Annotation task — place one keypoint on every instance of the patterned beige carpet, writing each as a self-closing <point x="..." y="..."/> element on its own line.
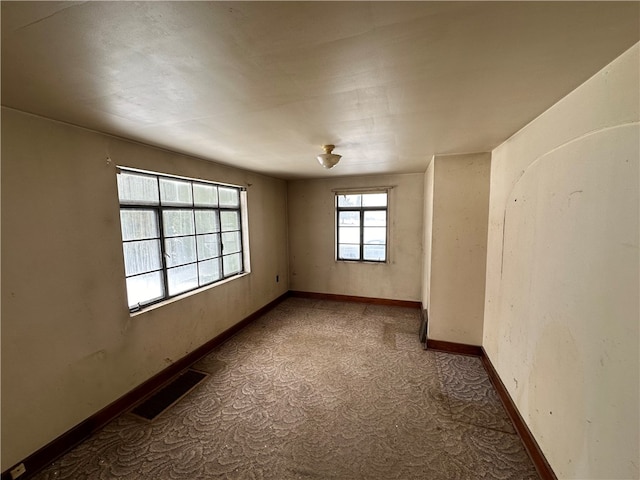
<point x="318" y="390"/>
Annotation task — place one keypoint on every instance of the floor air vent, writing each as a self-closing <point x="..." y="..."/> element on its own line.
<point x="169" y="395"/>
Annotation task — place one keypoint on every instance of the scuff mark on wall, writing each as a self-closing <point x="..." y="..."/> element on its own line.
<point x="570" y="195"/>
<point x="35" y="22"/>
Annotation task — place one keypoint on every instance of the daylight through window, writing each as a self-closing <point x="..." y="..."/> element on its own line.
<point x="361" y="227"/>
<point x="177" y="234"/>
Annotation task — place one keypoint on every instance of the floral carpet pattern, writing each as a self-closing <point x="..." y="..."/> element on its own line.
<point x="317" y="389"/>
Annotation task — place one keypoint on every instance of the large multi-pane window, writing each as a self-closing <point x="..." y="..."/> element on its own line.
<point x="178" y="234"/>
<point x="361" y="226"/>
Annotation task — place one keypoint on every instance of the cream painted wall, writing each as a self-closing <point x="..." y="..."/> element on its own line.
<point x="561" y="312"/>
<point x="312" y="237"/>
<point x="458" y="251"/>
<point x="427" y="235"/>
<point x="69" y="345"/>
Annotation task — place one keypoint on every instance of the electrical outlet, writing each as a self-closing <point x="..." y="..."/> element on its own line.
<point x="18" y="471"/>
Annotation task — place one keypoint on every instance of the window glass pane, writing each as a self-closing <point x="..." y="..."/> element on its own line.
<point x="208" y="246"/>
<point x="231" y="242"/>
<point x="144" y="288"/>
<point x="171" y="234"/>
<point x="374" y="199"/>
<point x="375" y="218"/>
<point x="175" y="192"/>
<point x="374" y="253"/>
<point x="180" y="250"/>
<point x="375" y="235"/>
<point x="209" y="271"/>
<point x="138" y="224"/>
<point x="228" y="197"/>
<point x="182" y="279"/>
<point x="229" y="221"/>
<point x="206" y="221"/>
<point x="135" y="188"/>
<point x="141" y="257"/>
<point x="349" y="218"/>
<point x="177" y="222"/>
<point x="349" y="200"/>
<point x="232" y="264"/>
<point x="205" y="195"/>
<point x="349" y="252"/>
<point x="349" y="235"/>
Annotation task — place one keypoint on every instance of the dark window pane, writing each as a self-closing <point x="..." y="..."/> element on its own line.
<point x="137" y="188"/>
<point x="175" y="192"/>
<point x="180" y="250"/>
<point x="138" y="224"/>
<point x="141" y="256"/>
<point x="177" y="222"/>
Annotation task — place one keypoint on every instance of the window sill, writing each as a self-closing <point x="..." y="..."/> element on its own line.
<point x="154" y="306"/>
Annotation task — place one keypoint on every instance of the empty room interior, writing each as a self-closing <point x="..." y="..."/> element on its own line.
<point x="345" y="215"/>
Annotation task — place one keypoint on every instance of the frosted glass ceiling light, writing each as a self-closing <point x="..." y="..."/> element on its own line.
<point x="328" y="159"/>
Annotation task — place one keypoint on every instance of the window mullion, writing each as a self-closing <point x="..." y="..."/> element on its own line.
<point x="163" y="253"/>
<point x="361" y="235"/>
<point x="220" y="258"/>
<point x="195" y="233"/>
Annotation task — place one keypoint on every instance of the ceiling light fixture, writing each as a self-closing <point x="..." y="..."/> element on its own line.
<point x="328" y="159"/>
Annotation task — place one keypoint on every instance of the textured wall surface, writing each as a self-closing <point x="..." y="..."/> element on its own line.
<point x="561" y="312"/>
<point x="312" y="239"/>
<point x="459" y="247"/>
<point x="69" y="345"/>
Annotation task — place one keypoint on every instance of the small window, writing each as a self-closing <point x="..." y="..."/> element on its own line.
<point x="361" y="226"/>
<point x="178" y="234"/>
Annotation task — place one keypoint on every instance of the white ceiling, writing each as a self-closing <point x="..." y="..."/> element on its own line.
<point x="261" y="85"/>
